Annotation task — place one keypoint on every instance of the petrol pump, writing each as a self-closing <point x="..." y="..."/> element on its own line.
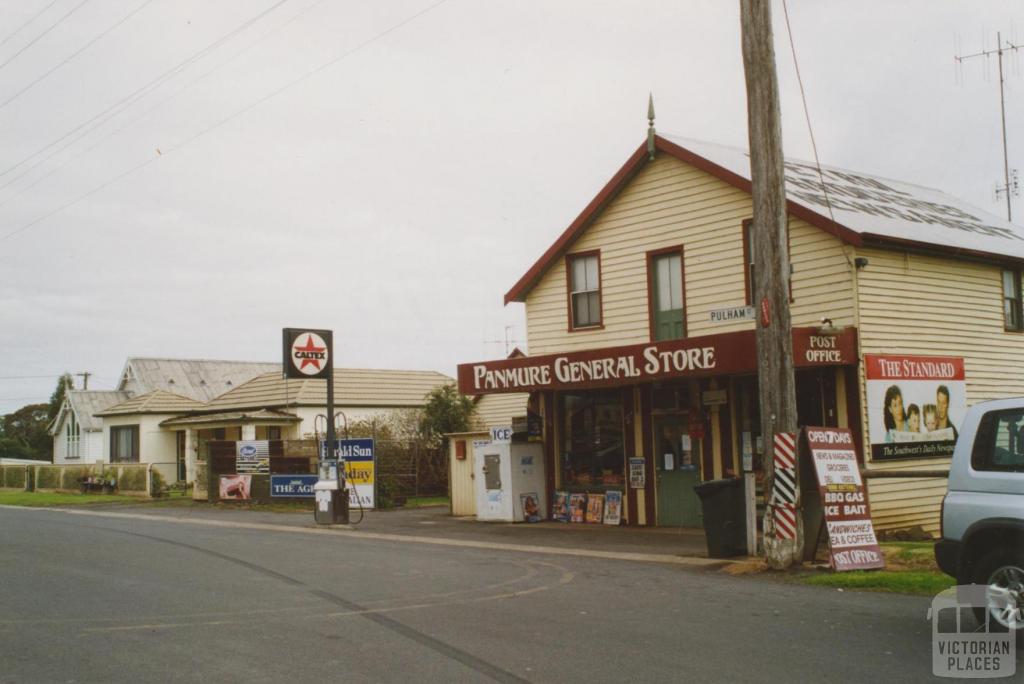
<point x="309" y="355"/>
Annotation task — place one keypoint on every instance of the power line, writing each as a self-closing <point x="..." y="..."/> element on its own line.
<point x="157" y="105"/>
<point x="70" y="57"/>
<point x="221" y="122"/>
<point x="45" y="31"/>
<point x="34" y="17"/>
<point x="138" y="93"/>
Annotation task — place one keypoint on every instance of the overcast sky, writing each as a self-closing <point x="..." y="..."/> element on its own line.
<point x="390" y="169"/>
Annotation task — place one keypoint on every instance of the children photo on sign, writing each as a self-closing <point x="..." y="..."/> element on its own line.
<point x="531" y="507"/>
<point x="595" y="508"/>
<point x="577" y="507"/>
<point x="560" y="507"/>
<point x="612" y="507"/>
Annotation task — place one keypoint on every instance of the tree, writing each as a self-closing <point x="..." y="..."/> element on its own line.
<point x="24" y="433"/>
<point x="445" y="411"/>
<point x="65" y="383"/>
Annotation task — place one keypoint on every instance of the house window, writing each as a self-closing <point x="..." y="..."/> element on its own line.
<point x="73" y="437"/>
<point x="665" y="284"/>
<point x="748" y="260"/>
<point x="273" y="432"/>
<point x="1012" y="311"/>
<point x="124" y="444"/>
<point x="584" y="290"/>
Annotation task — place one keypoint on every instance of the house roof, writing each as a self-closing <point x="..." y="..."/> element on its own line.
<point x="352" y="387"/>
<point x="858" y="208"/>
<point x="198" y="379"/>
<point x="86" y="403"/>
<point x="157" y="401"/>
<point x="496" y="410"/>
<point x="257" y="416"/>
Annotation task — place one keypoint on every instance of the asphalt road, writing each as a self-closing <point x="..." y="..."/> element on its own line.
<point x="95" y="599"/>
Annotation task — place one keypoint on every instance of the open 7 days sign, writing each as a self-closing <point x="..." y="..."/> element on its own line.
<point x="307" y="353"/>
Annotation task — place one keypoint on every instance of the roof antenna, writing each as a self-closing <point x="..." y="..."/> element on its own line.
<point x="650" y="125"/>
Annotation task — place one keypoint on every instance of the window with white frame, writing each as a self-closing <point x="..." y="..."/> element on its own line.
<point x="584" y="291"/>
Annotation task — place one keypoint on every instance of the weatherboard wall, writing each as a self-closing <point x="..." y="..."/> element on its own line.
<point x="671" y="203"/>
<point x="916" y="304"/>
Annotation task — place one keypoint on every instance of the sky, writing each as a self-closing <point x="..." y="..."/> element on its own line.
<point x="184" y="178"/>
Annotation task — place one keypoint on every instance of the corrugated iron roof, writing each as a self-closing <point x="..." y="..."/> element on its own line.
<point x="352" y="387"/>
<point x="860" y="208"/>
<point x="157" y="401"/>
<point x="86" y="403"/>
<point x="198" y="379"/>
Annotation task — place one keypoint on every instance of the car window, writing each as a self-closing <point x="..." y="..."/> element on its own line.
<point x="999" y="445"/>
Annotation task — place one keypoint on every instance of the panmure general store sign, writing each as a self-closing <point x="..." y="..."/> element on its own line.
<point x="725" y="354"/>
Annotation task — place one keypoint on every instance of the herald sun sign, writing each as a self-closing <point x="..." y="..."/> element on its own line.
<point x="307" y="353"/>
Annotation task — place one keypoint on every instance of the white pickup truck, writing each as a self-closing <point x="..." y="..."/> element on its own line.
<point x="983" y="511"/>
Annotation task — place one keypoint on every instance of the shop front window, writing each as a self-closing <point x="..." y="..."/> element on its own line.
<point x="592" y="440"/>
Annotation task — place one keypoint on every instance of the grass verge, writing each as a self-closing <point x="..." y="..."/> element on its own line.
<point x="920" y="582"/>
<point x="61" y="499"/>
<point x="424" y="501"/>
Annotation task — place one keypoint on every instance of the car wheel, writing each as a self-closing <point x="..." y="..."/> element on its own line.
<point x="1002" y="574"/>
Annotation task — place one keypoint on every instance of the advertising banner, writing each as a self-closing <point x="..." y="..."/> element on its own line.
<point x="360" y="468"/>
<point x="252" y="456"/>
<point x="844" y="499"/>
<point x="293" y="486"/>
<point x="915" y="405"/>
<point x="235" y="487"/>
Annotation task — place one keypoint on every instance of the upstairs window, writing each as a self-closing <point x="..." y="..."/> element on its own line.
<point x="1013" y="320"/>
<point x="665" y="283"/>
<point x="584" y="290"/>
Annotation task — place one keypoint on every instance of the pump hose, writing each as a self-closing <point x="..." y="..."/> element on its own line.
<point x="358" y="502"/>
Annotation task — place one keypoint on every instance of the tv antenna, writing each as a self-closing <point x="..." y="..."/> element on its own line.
<point x="1010" y="187"/>
<point x="508" y="341"/>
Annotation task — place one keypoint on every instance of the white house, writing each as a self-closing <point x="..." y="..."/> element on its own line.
<point x="78" y="434"/>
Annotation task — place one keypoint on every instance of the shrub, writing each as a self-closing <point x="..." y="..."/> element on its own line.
<point x="133" y="479"/>
<point x="48" y="477"/>
<point x="158" y="486"/>
<point x="73" y="475"/>
<point x="12" y="476"/>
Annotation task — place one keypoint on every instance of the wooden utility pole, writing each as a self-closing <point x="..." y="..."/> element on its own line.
<point x="776" y="379"/>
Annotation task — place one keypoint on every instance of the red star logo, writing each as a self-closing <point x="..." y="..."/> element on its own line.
<point x="310" y="347"/>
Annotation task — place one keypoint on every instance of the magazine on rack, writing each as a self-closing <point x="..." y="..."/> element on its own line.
<point x="560" y="507"/>
<point x="577" y="506"/>
<point x="612" y="507"/>
<point x="595" y="508"/>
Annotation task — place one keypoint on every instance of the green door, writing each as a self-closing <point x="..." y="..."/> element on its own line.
<point x="677" y="473"/>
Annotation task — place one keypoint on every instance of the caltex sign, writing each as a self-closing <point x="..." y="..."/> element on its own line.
<point x="307" y="353"/>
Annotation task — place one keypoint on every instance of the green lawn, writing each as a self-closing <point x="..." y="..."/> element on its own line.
<point x="422" y="501"/>
<point x="55" y="499"/>
<point x="922" y="582"/>
<point x="909" y="569"/>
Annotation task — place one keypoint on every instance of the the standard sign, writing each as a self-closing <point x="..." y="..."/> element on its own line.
<point x="294" y="486"/>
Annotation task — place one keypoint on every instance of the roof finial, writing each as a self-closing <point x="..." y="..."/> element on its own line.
<point x="650" y="125"/>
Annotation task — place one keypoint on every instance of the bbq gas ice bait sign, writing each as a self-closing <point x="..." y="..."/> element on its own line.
<point x="307" y="353"/>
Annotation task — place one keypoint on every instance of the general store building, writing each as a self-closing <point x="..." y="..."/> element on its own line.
<point x="640" y="325"/>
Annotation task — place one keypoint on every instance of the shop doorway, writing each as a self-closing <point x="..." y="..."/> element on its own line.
<point x="676" y="471"/>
